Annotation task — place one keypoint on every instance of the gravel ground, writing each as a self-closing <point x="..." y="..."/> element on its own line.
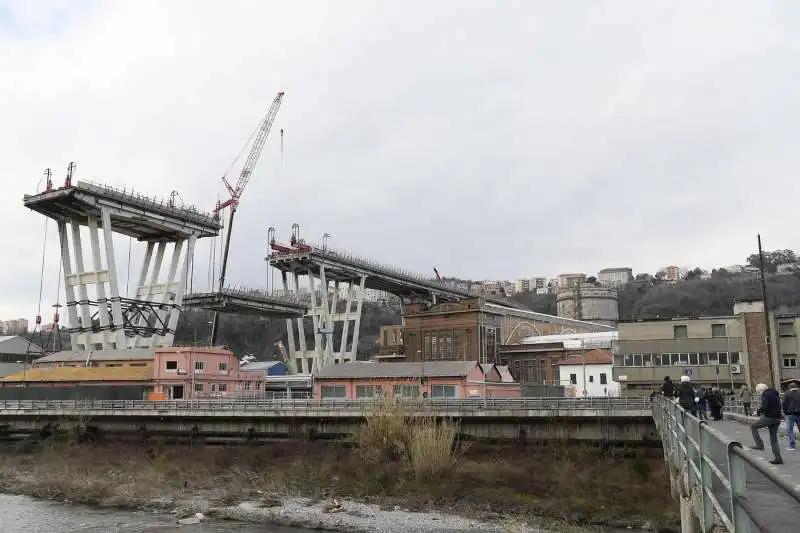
<point x="353" y="517"/>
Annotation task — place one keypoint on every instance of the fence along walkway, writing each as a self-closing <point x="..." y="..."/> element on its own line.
<point x="719" y="482"/>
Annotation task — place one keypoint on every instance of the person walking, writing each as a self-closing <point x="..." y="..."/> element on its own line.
<point x="746" y="396"/>
<point x="791" y="407"/>
<point x="668" y="387"/>
<point x="702" y="404"/>
<point x="716" y="401"/>
<point x="686" y="395"/>
<point x="769" y="414"/>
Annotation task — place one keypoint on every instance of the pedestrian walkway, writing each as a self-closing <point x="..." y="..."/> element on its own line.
<point x="783" y="511"/>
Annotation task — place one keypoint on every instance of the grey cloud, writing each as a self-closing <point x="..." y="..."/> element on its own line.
<point x="491" y="141"/>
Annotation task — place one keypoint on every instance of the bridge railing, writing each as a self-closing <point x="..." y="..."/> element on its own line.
<point x="251" y="404"/>
<point x="724" y="484"/>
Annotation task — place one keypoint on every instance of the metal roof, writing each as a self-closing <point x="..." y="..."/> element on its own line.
<point x="372" y="370"/>
<point x="136" y="354"/>
<point x="104" y="373"/>
<point x="14" y="344"/>
<point x="258" y="365"/>
<point x="6" y="369"/>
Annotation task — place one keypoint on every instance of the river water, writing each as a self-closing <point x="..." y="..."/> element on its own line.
<point x="20" y="514"/>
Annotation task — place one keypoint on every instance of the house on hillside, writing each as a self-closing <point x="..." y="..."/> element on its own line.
<point x="429" y="379"/>
<point x="589" y="375"/>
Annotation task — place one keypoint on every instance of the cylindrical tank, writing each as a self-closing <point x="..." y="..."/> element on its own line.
<point x="597" y="304"/>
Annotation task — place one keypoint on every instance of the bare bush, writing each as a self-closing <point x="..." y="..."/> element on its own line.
<point x="431" y="449"/>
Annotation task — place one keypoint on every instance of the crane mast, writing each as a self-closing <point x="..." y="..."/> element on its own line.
<point x="236" y="194"/>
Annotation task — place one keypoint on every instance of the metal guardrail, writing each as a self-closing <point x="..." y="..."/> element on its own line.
<point x="247" y="404"/>
<point x="722" y="483"/>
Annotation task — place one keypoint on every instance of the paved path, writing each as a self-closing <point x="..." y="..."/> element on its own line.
<point x="779" y="512"/>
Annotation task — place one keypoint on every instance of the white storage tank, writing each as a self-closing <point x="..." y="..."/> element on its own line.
<point x="597" y="304"/>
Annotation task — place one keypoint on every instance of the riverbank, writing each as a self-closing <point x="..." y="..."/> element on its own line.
<point x="490" y="486"/>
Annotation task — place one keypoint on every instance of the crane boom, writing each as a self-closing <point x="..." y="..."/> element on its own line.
<point x="252" y="157"/>
<point x="236" y="194"/>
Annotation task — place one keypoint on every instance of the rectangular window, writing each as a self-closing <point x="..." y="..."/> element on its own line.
<point x="213" y="387"/>
<point x="693" y="359"/>
<point x="619" y="360"/>
<point x="443" y="391"/>
<point x="198" y="366"/>
<point x="723" y="358"/>
<point x="719" y="330"/>
<point x="703" y="358"/>
<point x="713" y="358"/>
<point x="223" y="367"/>
<point x="786" y="329"/>
<point x="113" y="364"/>
<point x="334" y="391"/>
<point x="647" y="359"/>
<point x="603" y="379"/>
<point x="629" y="360"/>
<point x="573" y="379"/>
<point x="735" y="360"/>
<point x="789" y="360"/>
<point x="591" y="379"/>
<point x="680" y="332"/>
<point x="198" y="387"/>
<point x="137" y="364"/>
<point x="406" y="391"/>
<point x="223" y="387"/>
<point x="171" y="365"/>
<point x="637" y="359"/>
<point x="247" y="385"/>
<point x="367" y="391"/>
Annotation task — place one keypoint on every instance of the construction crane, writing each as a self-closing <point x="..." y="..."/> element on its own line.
<point x="236" y="193"/>
<point x="438" y="277"/>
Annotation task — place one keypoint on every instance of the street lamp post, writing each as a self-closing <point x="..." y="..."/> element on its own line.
<point x="325" y="237"/>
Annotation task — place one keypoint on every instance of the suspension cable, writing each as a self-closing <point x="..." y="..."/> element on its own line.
<point x="41" y="289"/>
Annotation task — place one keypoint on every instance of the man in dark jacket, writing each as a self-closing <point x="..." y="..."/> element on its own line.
<point x="791" y="407"/>
<point x="769" y="417"/>
<point x="686" y="395"/>
<point x="668" y="388"/>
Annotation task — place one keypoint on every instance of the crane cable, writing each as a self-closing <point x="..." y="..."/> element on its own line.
<point x="41" y="289"/>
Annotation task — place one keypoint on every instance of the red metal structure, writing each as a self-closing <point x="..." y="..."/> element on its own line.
<point x="236" y="193"/>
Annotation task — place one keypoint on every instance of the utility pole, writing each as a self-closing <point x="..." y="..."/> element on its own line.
<point x="767" y="325"/>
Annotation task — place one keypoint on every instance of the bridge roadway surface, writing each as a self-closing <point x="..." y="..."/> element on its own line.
<point x="777" y="512"/>
<point x="782" y="513"/>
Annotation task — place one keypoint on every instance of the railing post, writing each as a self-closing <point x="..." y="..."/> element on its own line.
<point x="738" y="487"/>
<point x="705" y="446"/>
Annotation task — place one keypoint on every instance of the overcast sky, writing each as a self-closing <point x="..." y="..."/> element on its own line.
<point x="490" y="139"/>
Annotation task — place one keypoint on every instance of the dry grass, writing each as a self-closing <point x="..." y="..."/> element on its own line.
<point x="431" y="447"/>
<point x="394" y="430"/>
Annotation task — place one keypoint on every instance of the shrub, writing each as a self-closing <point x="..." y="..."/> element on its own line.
<point x="431" y="450"/>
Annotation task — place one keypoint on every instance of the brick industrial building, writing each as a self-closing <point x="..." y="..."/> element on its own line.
<point x="473" y="330"/>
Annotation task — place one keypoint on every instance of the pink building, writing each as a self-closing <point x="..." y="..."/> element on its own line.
<point x="200" y="372"/>
<point x="430" y="379"/>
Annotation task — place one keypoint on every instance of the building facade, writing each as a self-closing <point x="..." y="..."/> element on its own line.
<point x="472" y="329"/>
<point x="436" y="379"/>
<point x="615" y="277"/>
<point x="672" y="273"/>
<point x="724" y="351"/>
<point x="566" y="281"/>
<point x="195" y="372"/>
<point x="589" y="375"/>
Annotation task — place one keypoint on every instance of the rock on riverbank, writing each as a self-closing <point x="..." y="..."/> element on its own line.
<point x="345" y="516"/>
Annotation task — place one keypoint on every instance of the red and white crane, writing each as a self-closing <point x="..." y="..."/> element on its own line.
<point x="235" y="193"/>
